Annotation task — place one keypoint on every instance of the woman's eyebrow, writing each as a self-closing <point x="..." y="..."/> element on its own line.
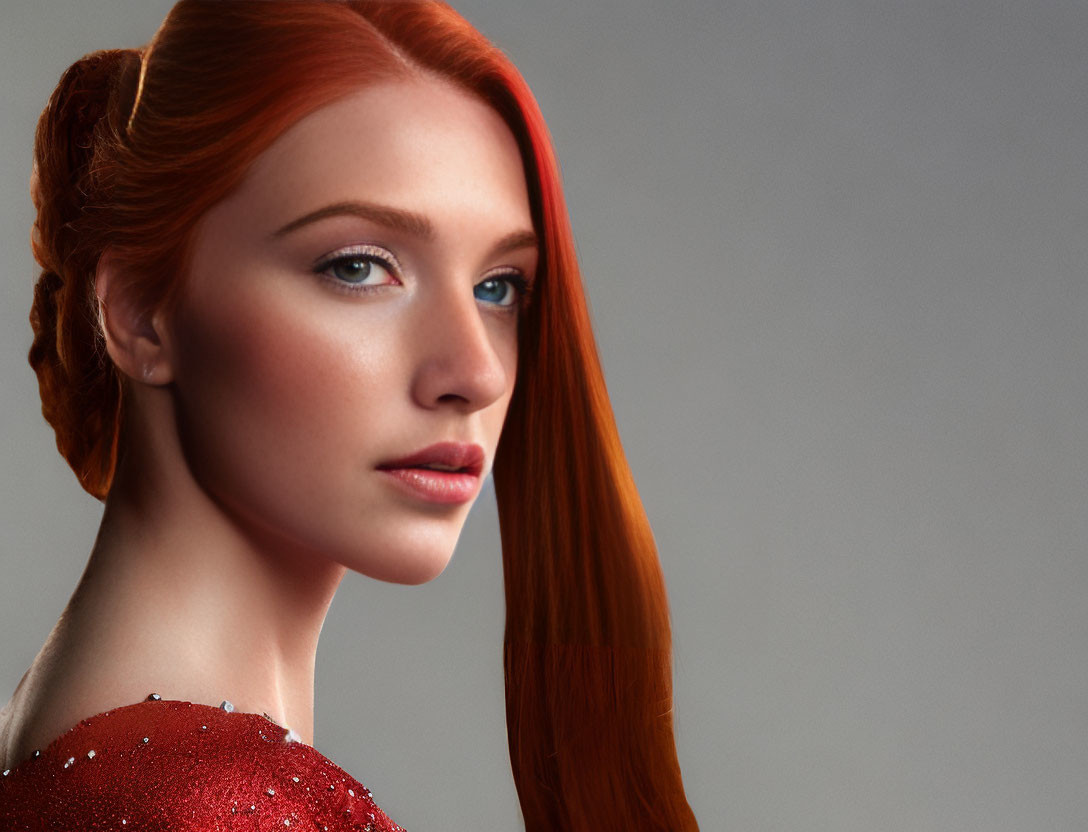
<point x="395" y="218"/>
<point x="398" y="219"/>
<point x="515" y="240"/>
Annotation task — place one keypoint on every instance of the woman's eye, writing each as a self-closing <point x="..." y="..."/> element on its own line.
<point x="503" y="290"/>
<point x="356" y="270"/>
<point x="362" y="270"/>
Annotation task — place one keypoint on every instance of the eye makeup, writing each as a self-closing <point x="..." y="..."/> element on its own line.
<point x="354" y="255"/>
<point x="523" y="286"/>
<point x="368" y="256"/>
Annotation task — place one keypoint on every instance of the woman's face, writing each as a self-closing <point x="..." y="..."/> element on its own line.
<point x="355" y="301"/>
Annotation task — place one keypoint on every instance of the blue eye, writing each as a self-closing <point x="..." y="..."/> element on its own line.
<point x="515" y="291"/>
<point x="352" y="270"/>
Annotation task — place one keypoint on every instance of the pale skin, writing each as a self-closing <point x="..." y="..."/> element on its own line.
<point x="259" y="411"/>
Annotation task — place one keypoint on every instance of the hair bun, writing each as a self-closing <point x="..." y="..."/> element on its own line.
<point x="76" y="144"/>
<point x="80" y="122"/>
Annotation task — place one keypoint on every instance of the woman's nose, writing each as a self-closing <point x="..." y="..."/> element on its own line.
<point x="460" y="354"/>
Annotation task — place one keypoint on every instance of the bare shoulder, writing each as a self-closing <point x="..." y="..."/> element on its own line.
<point x="38" y="713"/>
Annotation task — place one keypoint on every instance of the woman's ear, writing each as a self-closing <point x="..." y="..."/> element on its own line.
<point x="135" y="336"/>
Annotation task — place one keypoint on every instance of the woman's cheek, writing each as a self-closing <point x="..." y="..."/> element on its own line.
<point x="281" y="398"/>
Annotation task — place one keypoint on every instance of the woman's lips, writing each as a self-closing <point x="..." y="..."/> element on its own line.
<point x="467" y="456"/>
<point x="438" y="486"/>
<point x="435" y="486"/>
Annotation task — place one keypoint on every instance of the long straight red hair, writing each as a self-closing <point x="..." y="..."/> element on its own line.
<point x="132" y="150"/>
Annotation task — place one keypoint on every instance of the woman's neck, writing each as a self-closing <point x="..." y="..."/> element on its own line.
<point x="179" y="598"/>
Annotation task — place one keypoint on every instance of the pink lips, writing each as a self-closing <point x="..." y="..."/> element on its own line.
<point x="438" y="486"/>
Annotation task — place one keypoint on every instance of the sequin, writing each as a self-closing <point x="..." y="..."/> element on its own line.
<point x="201" y="754"/>
<point x="227" y="706"/>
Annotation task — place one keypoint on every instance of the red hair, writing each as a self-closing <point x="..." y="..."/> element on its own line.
<point x="132" y="150"/>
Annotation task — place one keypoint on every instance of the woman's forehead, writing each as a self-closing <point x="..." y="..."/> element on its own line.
<point x="418" y="144"/>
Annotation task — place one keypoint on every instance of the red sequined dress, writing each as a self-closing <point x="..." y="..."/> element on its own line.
<point x="170" y="765"/>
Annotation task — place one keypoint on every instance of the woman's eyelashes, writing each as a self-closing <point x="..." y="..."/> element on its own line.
<point x="350" y="269"/>
<point x="518" y="296"/>
<point x="359" y="269"/>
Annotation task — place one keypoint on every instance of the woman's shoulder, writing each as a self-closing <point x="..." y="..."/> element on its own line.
<point x="168" y="764"/>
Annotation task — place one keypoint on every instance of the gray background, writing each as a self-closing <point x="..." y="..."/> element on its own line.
<point x="835" y="253"/>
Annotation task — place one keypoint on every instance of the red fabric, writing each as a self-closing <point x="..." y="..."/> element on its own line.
<point x="199" y="768"/>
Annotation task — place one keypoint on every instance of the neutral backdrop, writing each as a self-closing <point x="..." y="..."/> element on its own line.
<point x="836" y="257"/>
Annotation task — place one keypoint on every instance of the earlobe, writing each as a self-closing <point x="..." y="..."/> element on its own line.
<point x="134" y="335"/>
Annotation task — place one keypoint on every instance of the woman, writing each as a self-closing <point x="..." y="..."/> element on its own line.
<point x="307" y="277"/>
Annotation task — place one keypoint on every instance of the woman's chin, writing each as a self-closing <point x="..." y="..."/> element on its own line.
<point x="411" y="569"/>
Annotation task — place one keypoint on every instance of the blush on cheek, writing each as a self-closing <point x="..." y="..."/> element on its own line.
<point x="274" y="401"/>
<point x="282" y="412"/>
